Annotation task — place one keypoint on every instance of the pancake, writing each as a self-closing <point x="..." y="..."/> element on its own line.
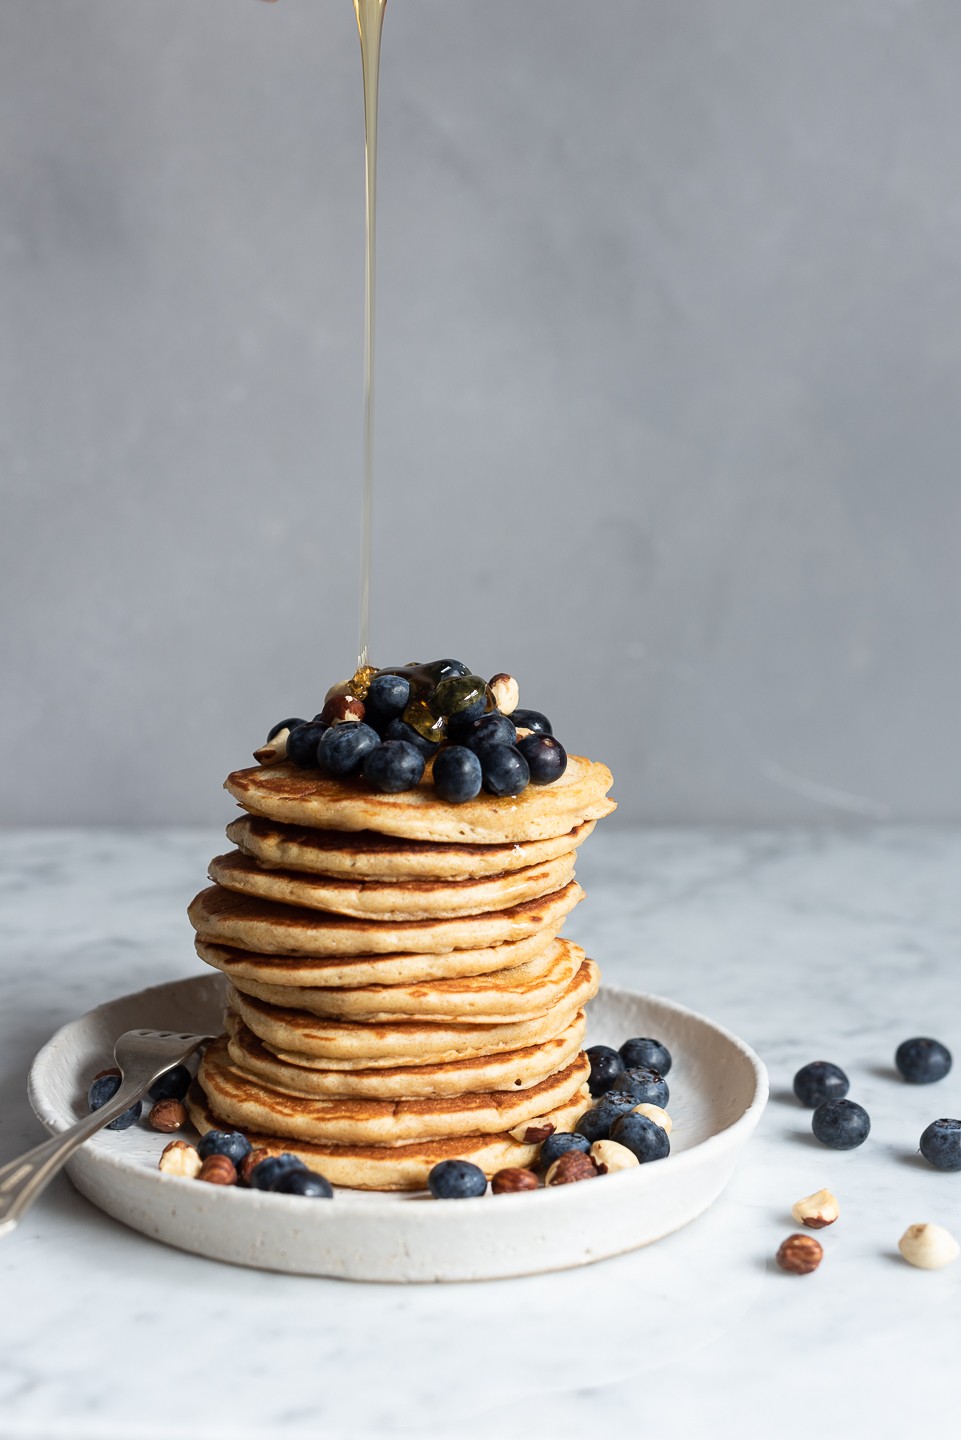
<point x="514" y="1069"/>
<point x="367" y="856"/>
<point x="343" y="1044"/>
<point x="252" y="924"/>
<point x="355" y="970"/>
<point x="497" y="998"/>
<point x="398" y="1167"/>
<point x="296" y="796"/>
<point x="246" y="1103"/>
<point x="383" y="900"/>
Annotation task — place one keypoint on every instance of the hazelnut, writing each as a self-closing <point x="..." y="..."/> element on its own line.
<point x="608" y="1156"/>
<point x="341" y="708"/>
<point x="572" y="1165"/>
<point x="247" y="1164"/>
<point x="800" y="1254"/>
<point x="111" y="1070"/>
<point x="928" y="1246"/>
<point x="816" y="1210"/>
<point x="505" y="692"/>
<point x="534" y="1132"/>
<point x="655" y="1113"/>
<point x="168" y="1115"/>
<point x="273" y="750"/>
<point x="218" y="1170"/>
<point x="179" y="1158"/>
<point x="513" y="1180"/>
<point x="341" y="688"/>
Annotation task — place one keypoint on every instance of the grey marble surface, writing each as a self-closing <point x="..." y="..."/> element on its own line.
<point x="835" y="944"/>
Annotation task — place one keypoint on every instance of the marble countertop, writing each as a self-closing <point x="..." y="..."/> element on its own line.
<point x="809" y="944"/>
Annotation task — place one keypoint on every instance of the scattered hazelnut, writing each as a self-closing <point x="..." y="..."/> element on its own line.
<point x="179" y="1158"/>
<point x="800" y="1254"/>
<point x="341" y="708"/>
<point x="534" y="1132"/>
<point x="247" y="1164"/>
<point x="274" y="750"/>
<point x="572" y="1165"/>
<point x="512" y="1180"/>
<point x="655" y="1113"/>
<point x="505" y="692"/>
<point x="218" y="1170"/>
<point x="168" y="1115"/>
<point x="816" y="1210"/>
<point x="928" y="1246"/>
<point x="608" y="1156"/>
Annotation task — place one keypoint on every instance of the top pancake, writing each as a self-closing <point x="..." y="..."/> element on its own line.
<point x="306" y="797"/>
<point x="366" y="856"/>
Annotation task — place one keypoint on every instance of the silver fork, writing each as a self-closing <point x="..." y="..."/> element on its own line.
<point x="142" y="1056"/>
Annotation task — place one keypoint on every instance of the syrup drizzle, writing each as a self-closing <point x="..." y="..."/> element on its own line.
<point x="370" y="19"/>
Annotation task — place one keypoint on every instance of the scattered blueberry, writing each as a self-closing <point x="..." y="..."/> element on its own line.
<point x="940" y="1144"/>
<point x="457" y="774"/>
<point x="646" y="1085"/>
<point x="271" y="1170"/>
<point x="820" y="1081"/>
<point x="290" y="724"/>
<point x="596" y="1123"/>
<point x="395" y="765"/>
<point x="606" y="1065"/>
<point x="493" y="729"/>
<point x="842" y="1124"/>
<point x="104" y="1088"/>
<point x="304" y="1182"/>
<point x="648" y="1054"/>
<point x="546" y="758"/>
<point x="642" y="1137"/>
<point x="532" y="720"/>
<point x="456" y="1180"/>
<point x="399" y="730"/>
<point x="302" y="742"/>
<point x="504" y="770"/>
<point x="464" y="695"/>
<point x="559" y="1143"/>
<point x="387" y="698"/>
<point x="922" y="1061"/>
<point x="224" y="1142"/>
<point x="343" y="749"/>
<point x="171" y="1085"/>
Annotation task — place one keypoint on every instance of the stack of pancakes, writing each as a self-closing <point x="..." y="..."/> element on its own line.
<point x="399" y="992"/>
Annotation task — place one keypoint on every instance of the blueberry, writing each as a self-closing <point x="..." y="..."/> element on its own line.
<point x="456" y="1180"/>
<point x="648" y="1054"/>
<point x="457" y="774"/>
<point x="940" y="1144"/>
<point x="387" y="698"/>
<point x="841" y="1124"/>
<point x="290" y="724"/>
<point x="304" y="1182"/>
<point x="171" y="1085"/>
<point x="399" y="730"/>
<point x="820" y="1081"/>
<point x="104" y="1088"/>
<point x="546" y="758"/>
<point x="922" y="1061"/>
<point x="645" y="1084"/>
<point x="596" y="1123"/>
<point x="395" y="765"/>
<point x="464" y="695"/>
<point x="437" y="670"/>
<point x="494" y="729"/>
<point x="642" y="1137"/>
<point x="224" y="1142"/>
<point x="559" y="1143"/>
<point x="532" y="720"/>
<point x="267" y="1175"/>
<point x="344" y="748"/>
<point x="606" y="1065"/>
<point x="302" y="743"/>
<point x="504" y="770"/>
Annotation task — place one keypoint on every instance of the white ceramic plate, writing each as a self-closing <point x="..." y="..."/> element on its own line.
<point x="718" y="1090"/>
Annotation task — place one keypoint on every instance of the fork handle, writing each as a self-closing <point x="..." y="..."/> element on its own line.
<point x="22" y="1180"/>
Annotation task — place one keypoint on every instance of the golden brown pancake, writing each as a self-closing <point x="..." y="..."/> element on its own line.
<point x="305" y="797"/>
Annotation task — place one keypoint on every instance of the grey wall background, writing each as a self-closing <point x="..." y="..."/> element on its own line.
<point x="669" y="368"/>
